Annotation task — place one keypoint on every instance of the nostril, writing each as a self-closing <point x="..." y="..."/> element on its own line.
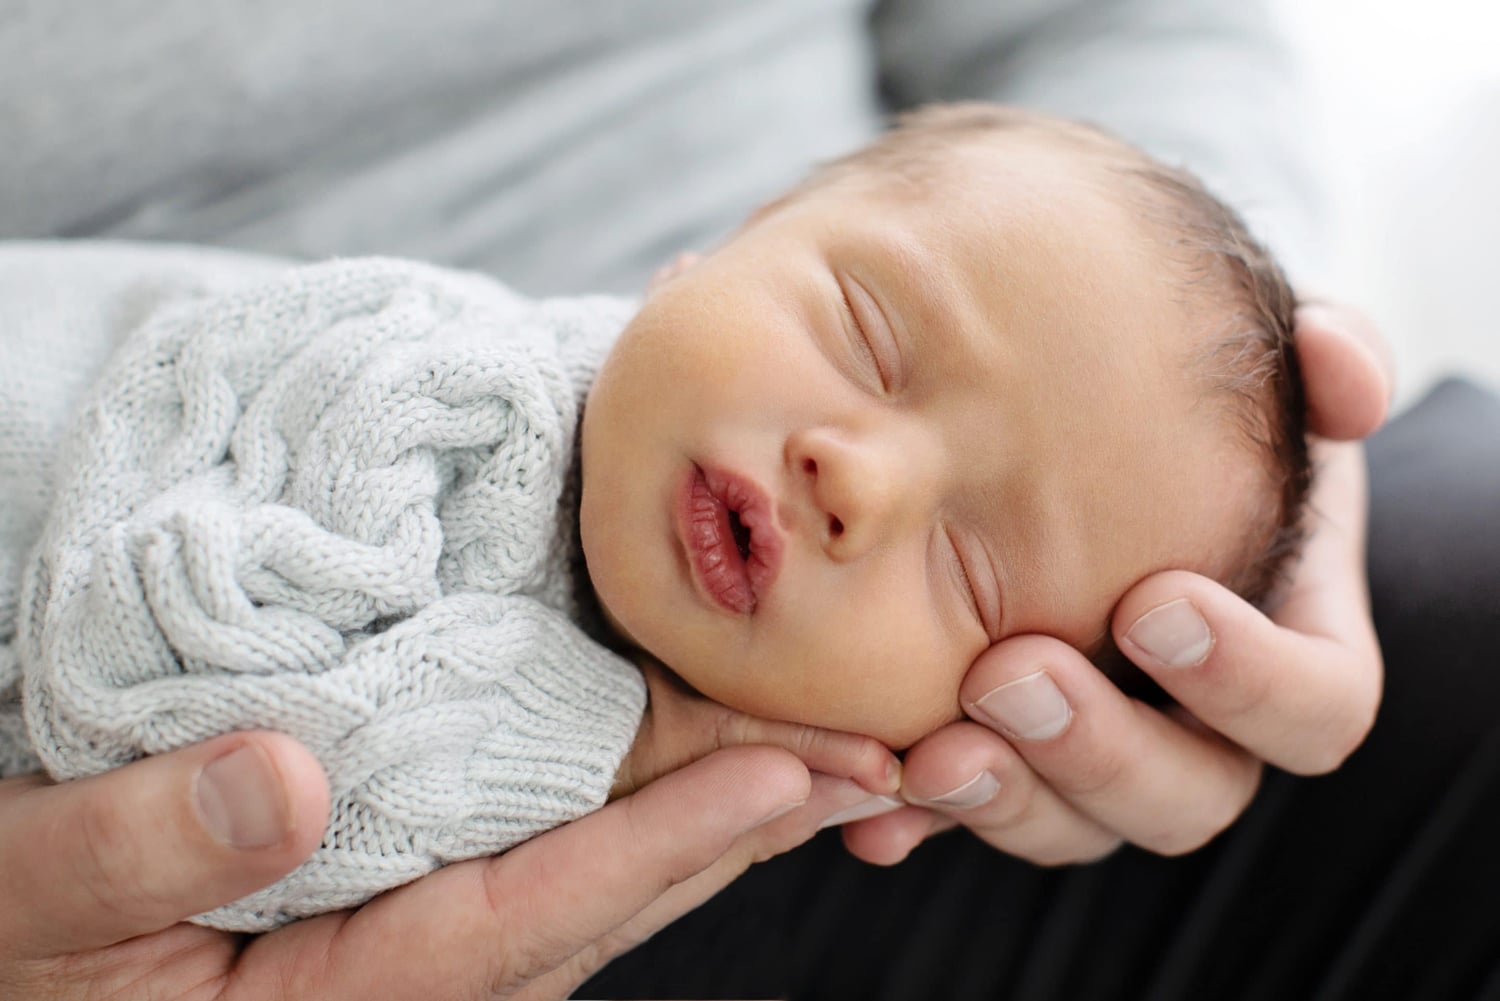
<point x="835" y="528"/>
<point x="810" y="467"/>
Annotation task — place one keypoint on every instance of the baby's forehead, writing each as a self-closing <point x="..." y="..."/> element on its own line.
<point x="1006" y="194"/>
<point x="961" y="160"/>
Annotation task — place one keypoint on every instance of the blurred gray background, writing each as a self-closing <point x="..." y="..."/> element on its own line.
<point x="1408" y="99"/>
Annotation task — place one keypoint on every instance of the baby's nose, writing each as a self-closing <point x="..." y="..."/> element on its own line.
<point x="858" y="488"/>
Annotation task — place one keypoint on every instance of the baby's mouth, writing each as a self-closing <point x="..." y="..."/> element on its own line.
<point x="724" y="522"/>
<point x="741" y="534"/>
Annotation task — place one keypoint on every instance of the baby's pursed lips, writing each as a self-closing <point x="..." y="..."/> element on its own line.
<point x="732" y="536"/>
<point x="753" y="507"/>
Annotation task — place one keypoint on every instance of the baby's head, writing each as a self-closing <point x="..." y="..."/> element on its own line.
<point x="972" y="381"/>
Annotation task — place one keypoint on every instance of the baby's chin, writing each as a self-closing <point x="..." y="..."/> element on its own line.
<point x="901" y="738"/>
<point x="622" y="637"/>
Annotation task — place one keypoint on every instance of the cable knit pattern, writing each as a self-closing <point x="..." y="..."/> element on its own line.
<point x="338" y="504"/>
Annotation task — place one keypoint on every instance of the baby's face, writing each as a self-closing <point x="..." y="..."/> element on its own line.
<point x="882" y="428"/>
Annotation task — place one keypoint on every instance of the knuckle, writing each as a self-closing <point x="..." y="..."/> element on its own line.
<point x="1213" y="816"/>
<point x="1327" y="755"/>
<point x="1322" y="761"/>
<point x="1240" y="693"/>
<point x="1091" y="774"/>
<point x="1339" y="737"/>
<point x="1102" y="849"/>
<point x="1177" y="847"/>
<point x="730" y="729"/>
<point x="860" y="756"/>
<point x="110" y="863"/>
<point x="588" y="960"/>
<point x="1187" y="838"/>
<point x="31" y="978"/>
<point x="1079" y="851"/>
<point x="841" y="752"/>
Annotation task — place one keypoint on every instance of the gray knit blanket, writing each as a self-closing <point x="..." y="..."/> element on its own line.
<point x="338" y="502"/>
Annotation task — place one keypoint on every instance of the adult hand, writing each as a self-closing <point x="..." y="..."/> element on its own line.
<point x="1056" y="765"/>
<point x="95" y="874"/>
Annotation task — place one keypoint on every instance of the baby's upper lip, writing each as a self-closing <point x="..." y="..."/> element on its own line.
<point x="752" y="505"/>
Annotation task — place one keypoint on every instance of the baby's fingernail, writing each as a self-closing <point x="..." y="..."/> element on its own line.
<point x="241" y="801"/>
<point x="893" y="775"/>
<point x="872" y="807"/>
<point x="1175" y="634"/>
<point x="976" y="792"/>
<point x="1032" y="708"/>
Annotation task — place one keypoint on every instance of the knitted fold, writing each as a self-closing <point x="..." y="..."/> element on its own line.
<point x="339" y="504"/>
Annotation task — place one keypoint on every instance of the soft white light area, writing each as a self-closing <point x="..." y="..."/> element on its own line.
<point x="1408" y="98"/>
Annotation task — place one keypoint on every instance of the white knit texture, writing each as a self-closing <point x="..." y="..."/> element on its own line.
<point x="338" y="504"/>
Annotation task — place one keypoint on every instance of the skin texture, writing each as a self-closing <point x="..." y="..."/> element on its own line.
<point x="94" y="874"/>
<point x="939" y="395"/>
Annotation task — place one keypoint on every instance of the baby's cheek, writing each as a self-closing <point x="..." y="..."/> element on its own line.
<point x="915" y="729"/>
<point x="900" y="684"/>
<point x="897" y="704"/>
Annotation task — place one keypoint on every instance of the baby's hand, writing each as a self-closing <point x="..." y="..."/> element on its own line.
<point x="680" y="726"/>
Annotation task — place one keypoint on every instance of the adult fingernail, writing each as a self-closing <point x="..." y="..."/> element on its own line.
<point x="976" y="792"/>
<point x="872" y="807"/>
<point x="241" y="801"/>
<point x="1175" y="634"/>
<point x="1032" y="708"/>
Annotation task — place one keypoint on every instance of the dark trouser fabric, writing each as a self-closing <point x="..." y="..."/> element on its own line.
<point x="1379" y="881"/>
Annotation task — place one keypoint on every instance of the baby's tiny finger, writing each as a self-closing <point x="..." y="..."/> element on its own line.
<point x="832" y="752"/>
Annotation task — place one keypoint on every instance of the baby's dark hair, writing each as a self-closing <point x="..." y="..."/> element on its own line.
<point x="1248" y="357"/>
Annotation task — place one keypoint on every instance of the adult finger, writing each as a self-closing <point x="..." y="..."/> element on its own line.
<point x="888" y="838"/>
<point x="1299" y="689"/>
<point x="1347" y="370"/>
<point x="830" y="798"/>
<point x="490" y="927"/>
<point x="966" y="774"/>
<point x="1155" y="781"/>
<point x="95" y="861"/>
<point x="1300" y="701"/>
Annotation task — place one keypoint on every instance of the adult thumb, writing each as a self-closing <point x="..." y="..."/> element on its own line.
<point x="98" y="860"/>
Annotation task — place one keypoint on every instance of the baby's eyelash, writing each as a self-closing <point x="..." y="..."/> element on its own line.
<point x="862" y="345"/>
<point x="885" y="367"/>
<point x="968" y="581"/>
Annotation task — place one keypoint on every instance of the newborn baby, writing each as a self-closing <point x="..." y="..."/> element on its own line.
<point x="972" y="381"/>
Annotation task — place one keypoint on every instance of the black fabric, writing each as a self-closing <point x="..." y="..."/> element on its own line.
<point x="1379" y="881"/>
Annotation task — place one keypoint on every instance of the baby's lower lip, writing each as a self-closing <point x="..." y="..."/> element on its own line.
<point x="732" y="581"/>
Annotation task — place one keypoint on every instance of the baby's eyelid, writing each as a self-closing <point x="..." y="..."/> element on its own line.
<point x="860" y="301"/>
<point x="968" y="580"/>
